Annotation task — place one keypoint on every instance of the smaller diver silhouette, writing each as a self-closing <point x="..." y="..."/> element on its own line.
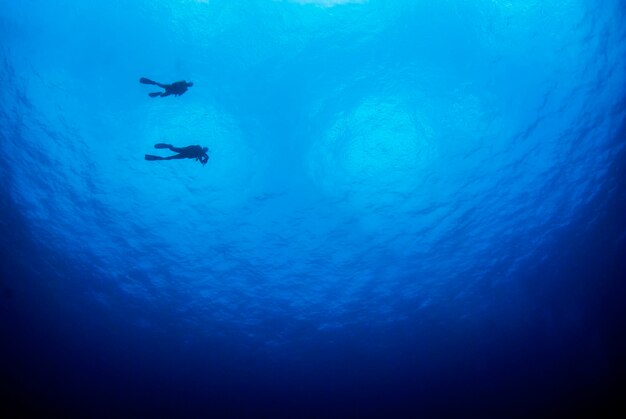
<point x="190" y="152"/>
<point x="176" y="89"/>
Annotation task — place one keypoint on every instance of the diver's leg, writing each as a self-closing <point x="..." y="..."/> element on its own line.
<point x="175" y="157"/>
<point x="166" y="93"/>
<point x="155" y="94"/>
<point x="145" y="80"/>
<point x="175" y="149"/>
<point x="150" y="157"/>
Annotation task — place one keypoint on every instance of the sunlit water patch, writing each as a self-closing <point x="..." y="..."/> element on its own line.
<point x="373" y="152"/>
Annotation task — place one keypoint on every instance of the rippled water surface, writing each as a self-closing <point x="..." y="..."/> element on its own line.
<point x="406" y="187"/>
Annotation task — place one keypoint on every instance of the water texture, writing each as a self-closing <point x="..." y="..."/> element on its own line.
<point x="422" y="194"/>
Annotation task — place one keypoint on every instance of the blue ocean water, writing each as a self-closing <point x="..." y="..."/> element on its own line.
<point x="411" y="209"/>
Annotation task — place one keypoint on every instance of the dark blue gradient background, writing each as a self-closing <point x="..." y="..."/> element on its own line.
<point x="412" y="209"/>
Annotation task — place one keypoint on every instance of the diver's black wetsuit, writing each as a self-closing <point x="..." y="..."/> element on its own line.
<point x="176" y="88"/>
<point x="190" y="152"/>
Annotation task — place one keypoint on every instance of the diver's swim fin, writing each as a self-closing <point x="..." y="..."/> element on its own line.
<point x="155" y="94"/>
<point x="162" y="145"/>
<point x="146" y="81"/>
<point x="150" y="157"/>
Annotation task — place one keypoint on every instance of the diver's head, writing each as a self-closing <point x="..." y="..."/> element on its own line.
<point x="189" y="83"/>
<point x="205" y="149"/>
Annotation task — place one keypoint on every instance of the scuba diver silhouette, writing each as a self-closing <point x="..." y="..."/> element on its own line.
<point x="176" y="89"/>
<point x="190" y="152"/>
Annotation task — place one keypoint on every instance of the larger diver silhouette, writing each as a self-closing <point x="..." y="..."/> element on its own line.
<point x="190" y="152"/>
<point x="176" y="88"/>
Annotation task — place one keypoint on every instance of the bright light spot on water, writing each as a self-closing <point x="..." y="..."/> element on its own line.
<point x="374" y="150"/>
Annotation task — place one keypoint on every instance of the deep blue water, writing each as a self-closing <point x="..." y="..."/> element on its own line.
<point x="412" y="209"/>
